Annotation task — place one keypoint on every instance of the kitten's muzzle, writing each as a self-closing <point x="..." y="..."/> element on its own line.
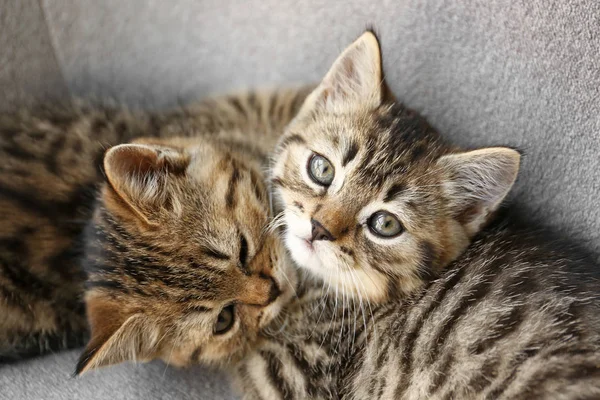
<point x="259" y="290"/>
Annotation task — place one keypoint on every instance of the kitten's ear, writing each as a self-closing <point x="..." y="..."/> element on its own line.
<point x="139" y="174"/>
<point x="116" y="336"/>
<point x="354" y="81"/>
<point x="477" y="182"/>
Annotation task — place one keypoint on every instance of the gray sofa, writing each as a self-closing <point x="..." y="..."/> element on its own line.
<point x="484" y="72"/>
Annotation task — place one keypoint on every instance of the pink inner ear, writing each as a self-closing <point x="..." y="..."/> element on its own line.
<point x="128" y="160"/>
<point x="137" y="161"/>
<point x="141" y="163"/>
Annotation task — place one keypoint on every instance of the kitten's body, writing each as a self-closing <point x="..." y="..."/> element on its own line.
<point x="512" y="318"/>
<point x="49" y="175"/>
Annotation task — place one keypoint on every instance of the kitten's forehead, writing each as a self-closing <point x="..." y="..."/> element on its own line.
<point x="187" y="256"/>
<point x="390" y="144"/>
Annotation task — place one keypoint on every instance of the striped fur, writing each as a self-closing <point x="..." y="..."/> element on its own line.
<point x="512" y="318"/>
<point x="464" y="303"/>
<point x="51" y="170"/>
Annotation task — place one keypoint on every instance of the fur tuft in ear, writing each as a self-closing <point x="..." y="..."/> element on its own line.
<point x="354" y="81"/>
<point x="477" y="183"/>
<point x="139" y="174"/>
<point x="117" y="336"/>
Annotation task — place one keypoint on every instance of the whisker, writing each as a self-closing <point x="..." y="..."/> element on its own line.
<point x="334" y="316"/>
<point x="289" y="283"/>
<point x="275" y="223"/>
<point x="343" y="312"/>
<point x="324" y="301"/>
<point x="370" y="308"/>
<point x="362" y="311"/>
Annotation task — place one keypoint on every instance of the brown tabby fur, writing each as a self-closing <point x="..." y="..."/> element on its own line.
<point x="467" y="305"/>
<point x="50" y="172"/>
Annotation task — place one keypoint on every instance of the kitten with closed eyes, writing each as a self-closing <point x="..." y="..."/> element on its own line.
<point x="163" y="231"/>
<point x="180" y="266"/>
<point x="430" y="289"/>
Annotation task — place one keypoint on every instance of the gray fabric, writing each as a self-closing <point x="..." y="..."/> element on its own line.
<point x="29" y="73"/>
<point x="49" y="378"/>
<point x="523" y="73"/>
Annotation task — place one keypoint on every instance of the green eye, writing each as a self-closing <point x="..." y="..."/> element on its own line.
<point x="320" y="170"/>
<point x="225" y="320"/>
<point x="384" y="224"/>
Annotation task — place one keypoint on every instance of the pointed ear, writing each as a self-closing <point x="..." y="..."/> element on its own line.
<point x="354" y="81"/>
<point x="477" y="182"/>
<point x="139" y="174"/>
<point x="116" y="336"/>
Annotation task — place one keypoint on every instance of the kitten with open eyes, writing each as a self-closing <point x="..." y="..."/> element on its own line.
<point x="176" y="246"/>
<point x="435" y="293"/>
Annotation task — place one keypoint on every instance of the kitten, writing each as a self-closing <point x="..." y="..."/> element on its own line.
<point x="434" y="293"/>
<point x="51" y="172"/>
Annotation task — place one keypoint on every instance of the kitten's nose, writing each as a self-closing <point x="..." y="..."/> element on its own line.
<point x="274" y="290"/>
<point x="319" y="232"/>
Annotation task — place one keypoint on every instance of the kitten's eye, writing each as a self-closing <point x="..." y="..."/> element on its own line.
<point x="225" y="320"/>
<point x="320" y="170"/>
<point x="384" y="224"/>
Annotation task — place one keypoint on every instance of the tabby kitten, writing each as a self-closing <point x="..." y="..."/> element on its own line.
<point x="50" y="174"/>
<point x="433" y="293"/>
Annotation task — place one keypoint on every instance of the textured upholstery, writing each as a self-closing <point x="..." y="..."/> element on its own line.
<point x="524" y="73"/>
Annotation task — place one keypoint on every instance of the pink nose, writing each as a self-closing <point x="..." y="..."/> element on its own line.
<point x="319" y="232"/>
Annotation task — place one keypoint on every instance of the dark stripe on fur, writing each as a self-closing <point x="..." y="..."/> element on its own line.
<point x="293" y="138"/>
<point x="214" y="253"/>
<point x="233" y="181"/>
<point x="394" y="192"/>
<point x="52" y="157"/>
<point x="484" y="377"/>
<point x="412" y="335"/>
<point x="274" y="369"/>
<point x="442" y="373"/>
<point x="473" y="297"/>
<point x="235" y="102"/>
<point x="428" y="258"/>
<point x="278" y="182"/>
<point x="506" y="325"/>
<point x="195" y="357"/>
<point x="515" y="365"/>
<point x="350" y="153"/>
<point x="303" y="366"/>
